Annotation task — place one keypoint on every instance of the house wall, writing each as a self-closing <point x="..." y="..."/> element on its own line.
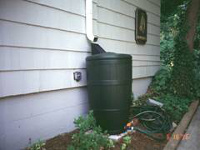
<point x="42" y="42"/>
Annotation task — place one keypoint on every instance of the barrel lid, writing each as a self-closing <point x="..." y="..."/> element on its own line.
<point x="108" y="55"/>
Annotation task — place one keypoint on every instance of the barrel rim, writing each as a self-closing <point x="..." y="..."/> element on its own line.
<point x="108" y="56"/>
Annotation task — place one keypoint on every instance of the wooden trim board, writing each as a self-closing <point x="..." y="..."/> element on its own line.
<point x="173" y="143"/>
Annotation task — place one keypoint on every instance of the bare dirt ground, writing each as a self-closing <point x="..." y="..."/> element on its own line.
<point x="139" y="142"/>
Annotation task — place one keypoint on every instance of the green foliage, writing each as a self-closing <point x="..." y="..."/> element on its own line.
<point x="178" y="80"/>
<point x="197" y="60"/>
<point x="37" y="146"/>
<point x="85" y="123"/>
<point x="95" y="140"/>
<point x="175" y="106"/>
<point x="197" y="35"/>
<point x="167" y="51"/>
<point x="161" y="81"/>
<point x="175" y="53"/>
<point x="167" y="34"/>
<point x="126" y="142"/>
<point x="169" y="7"/>
<point x="169" y="30"/>
<point x="197" y="73"/>
<point x="182" y="71"/>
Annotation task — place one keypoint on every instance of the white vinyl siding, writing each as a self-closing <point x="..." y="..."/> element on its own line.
<point x="43" y="42"/>
<point x="39" y="37"/>
<point x="116" y="33"/>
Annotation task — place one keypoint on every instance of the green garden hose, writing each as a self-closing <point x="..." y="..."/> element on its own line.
<point x="153" y="120"/>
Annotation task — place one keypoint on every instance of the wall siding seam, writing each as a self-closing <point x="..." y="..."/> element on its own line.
<point x="49" y="112"/>
<point x="47" y="49"/>
<point x="143" y="77"/>
<point x="153" y="24"/>
<point x="96" y="3"/>
<point x="40" y="26"/>
<point x="147" y="55"/>
<point x="146" y="60"/>
<point x="64" y="50"/>
<point x="37" y="3"/>
<point x="45" y="52"/>
<point x="71" y="31"/>
<point x="158" y="15"/>
<point x="112" y="10"/>
<point x="105" y="23"/>
<point x="94" y="18"/>
<point x="61" y="69"/>
<point x="109" y="24"/>
<point x="38" y="92"/>
<point x="40" y="69"/>
<point x="154" y="3"/>
<point x="157" y="35"/>
<point x="52" y="90"/>
<point x="144" y="55"/>
<point x="156" y="58"/>
<point x="133" y="42"/>
<point x="59" y="9"/>
<point x="133" y="17"/>
<point x="145" y="66"/>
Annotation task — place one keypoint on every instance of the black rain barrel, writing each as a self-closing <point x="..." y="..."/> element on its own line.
<point x="109" y="77"/>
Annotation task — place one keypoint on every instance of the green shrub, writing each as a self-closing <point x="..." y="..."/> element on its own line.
<point x="197" y="73"/>
<point x="161" y="81"/>
<point x="126" y="142"/>
<point x="175" y="106"/>
<point x="37" y="146"/>
<point x="95" y="140"/>
<point x="182" y="77"/>
<point x="178" y="81"/>
<point x="182" y="72"/>
<point x="197" y="35"/>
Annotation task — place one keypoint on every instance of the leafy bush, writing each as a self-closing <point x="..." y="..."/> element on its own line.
<point x="175" y="106"/>
<point x="37" y="146"/>
<point x="197" y="35"/>
<point x="167" y="51"/>
<point x="178" y="80"/>
<point x="161" y="81"/>
<point x="197" y="73"/>
<point x="95" y="140"/>
<point x="126" y="142"/>
<point x="197" y="59"/>
<point x="168" y="32"/>
<point x="182" y="72"/>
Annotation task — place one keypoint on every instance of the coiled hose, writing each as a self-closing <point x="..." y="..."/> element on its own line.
<point x="153" y="120"/>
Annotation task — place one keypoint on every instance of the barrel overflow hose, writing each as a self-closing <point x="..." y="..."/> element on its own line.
<point x="153" y="120"/>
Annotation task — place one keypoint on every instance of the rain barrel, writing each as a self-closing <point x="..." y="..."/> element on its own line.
<point x="109" y="77"/>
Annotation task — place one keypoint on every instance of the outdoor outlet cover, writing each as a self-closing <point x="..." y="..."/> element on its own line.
<point x="77" y="76"/>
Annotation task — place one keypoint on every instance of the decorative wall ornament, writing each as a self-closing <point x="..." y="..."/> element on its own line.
<point x="140" y="26"/>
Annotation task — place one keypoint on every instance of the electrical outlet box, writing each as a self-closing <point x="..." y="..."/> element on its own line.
<point x="77" y="76"/>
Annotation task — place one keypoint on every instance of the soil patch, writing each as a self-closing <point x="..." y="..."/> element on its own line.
<point x="139" y="142"/>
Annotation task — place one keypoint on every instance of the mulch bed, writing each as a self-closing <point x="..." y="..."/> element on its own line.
<point x="139" y="142"/>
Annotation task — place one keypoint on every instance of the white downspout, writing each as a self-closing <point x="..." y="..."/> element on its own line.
<point x="89" y="21"/>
